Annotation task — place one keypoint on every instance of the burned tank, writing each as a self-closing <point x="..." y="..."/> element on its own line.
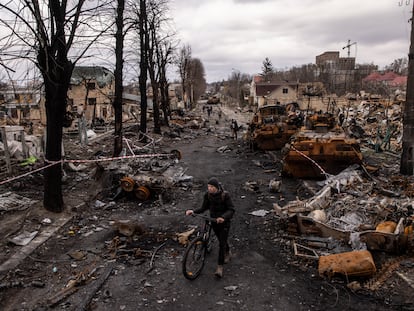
<point x="320" y="148"/>
<point x="272" y="126"/>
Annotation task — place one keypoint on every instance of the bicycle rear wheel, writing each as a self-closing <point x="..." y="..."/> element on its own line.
<point x="194" y="256"/>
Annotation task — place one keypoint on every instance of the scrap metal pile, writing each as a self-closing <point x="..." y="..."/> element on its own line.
<point x="363" y="207"/>
<point x="352" y="214"/>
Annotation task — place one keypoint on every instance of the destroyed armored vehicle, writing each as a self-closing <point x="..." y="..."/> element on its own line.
<point x="320" y="148"/>
<point x="272" y="127"/>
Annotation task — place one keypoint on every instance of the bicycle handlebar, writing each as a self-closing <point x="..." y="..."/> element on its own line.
<point x="204" y="217"/>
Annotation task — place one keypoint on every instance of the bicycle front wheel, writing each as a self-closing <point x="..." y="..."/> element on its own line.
<point x="194" y="256"/>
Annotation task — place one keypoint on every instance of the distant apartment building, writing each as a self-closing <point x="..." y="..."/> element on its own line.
<point x="20" y="105"/>
<point x="337" y="73"/>
<point x="332" y="61"/>
<point x="91" y="93"/>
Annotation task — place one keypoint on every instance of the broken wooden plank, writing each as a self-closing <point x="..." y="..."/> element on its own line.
<point x="62" y="294"/>
<point x="83" y="305"/>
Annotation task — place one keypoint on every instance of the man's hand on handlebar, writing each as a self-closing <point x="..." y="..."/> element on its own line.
<point x="219" y="220"/>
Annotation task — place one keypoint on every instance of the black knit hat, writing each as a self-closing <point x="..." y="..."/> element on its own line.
<point x="214" y="182"/>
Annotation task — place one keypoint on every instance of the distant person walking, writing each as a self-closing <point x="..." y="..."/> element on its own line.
<point x="234" y="128"/>
<point x="209" y="110"/>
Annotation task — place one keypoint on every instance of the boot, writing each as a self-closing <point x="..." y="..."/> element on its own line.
<point x="219" y="271"/>
<point x="227" y="257"/>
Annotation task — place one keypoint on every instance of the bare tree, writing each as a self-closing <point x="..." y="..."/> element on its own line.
<point x="192" y="76"/>
<point x="143" y="65"/>
<point x="165" y="54"/>
<point x="184" y="57"/>
<point x="155" y="54"/>
<point x="45" y="32"/>
<point x="160" y="55"/>
<point x="155" y="19"/>
<point x="236" y="81"/>
<point x="119" y="62"/>
<point x="399" y="66"/>
<point x="196" y="82"/>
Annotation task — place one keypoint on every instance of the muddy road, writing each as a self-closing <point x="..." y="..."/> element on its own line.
<point x="143" y="272"/>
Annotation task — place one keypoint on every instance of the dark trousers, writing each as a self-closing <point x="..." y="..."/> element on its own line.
<point x="222" y="233"/>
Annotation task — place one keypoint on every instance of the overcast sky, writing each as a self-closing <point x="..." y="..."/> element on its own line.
<point x="238" y="35"/>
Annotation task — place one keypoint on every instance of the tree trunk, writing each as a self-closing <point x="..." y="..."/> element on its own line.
<point x="143" y="65"/>
<point x="119" y="37"/>
<point x="407" y="156"/>
<point x="165" y="101"/>
<point x="55" y="112"/>
<point x="156" y="108"/>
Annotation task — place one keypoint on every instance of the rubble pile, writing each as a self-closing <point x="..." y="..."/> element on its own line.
<point x="378" y="124"/>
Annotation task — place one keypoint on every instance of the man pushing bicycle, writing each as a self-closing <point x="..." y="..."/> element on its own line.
<point x="221" y="207"/>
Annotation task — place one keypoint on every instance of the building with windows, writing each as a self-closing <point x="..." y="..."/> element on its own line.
<point x="20" y="105"/>
<point x="341" y="75"/>
<point x="273" y="92"/>
<point x="91" y="94"/>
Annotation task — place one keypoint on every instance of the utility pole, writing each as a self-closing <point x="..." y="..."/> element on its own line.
<point x="407" y="156"/>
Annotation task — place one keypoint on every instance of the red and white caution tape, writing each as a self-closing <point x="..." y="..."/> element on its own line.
<point x="153" y="155"/>
<point x="51" y="163"/>
<point x="29" y="173"/>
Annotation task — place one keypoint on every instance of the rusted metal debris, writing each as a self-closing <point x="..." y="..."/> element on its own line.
<point x="308" y="226"/>
<point x="356" y="222"/>
<point x="141" y="192"/>
<point x="272" y="127"/>
<point x="355" y="263"/>
<point x="392" y="242"/>
<point x="320" y="149"/>
<point x="147" y="179"/>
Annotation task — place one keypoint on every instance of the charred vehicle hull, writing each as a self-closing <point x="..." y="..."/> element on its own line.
<point x="322" y="149"/>
<point x="272" y="137"/>
<point x="271" y="128"/>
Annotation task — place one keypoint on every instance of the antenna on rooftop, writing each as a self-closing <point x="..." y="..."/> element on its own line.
<point x="348" y="46"/>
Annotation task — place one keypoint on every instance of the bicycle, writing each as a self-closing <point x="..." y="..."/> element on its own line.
<point x="197" y="250"/>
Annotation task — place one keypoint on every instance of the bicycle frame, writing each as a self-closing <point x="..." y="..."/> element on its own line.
<point x="197" y="249"/>
<point x="205" y="231"/>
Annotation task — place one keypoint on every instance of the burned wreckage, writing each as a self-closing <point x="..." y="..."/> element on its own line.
<point x="354" y="214"/>
<point x="347" y="220"/>
<point x="321" y="147"/>
<point x="273" y="125"/>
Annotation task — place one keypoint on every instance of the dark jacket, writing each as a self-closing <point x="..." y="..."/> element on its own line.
<point x="219" y="204"/>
